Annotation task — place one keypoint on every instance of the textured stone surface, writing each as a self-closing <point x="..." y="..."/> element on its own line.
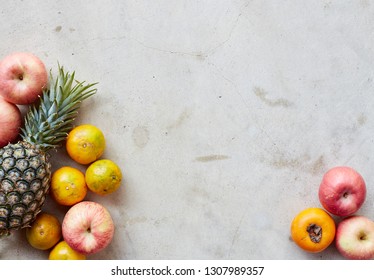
<point x="223" y="115"/>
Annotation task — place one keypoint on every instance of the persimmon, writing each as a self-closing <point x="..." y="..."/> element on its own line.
<point x="313" y="229"/>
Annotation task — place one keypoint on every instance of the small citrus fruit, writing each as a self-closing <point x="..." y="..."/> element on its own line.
<point x="85" y="143"/>
<point x="103" y="177"/>
<point x="62" y="251"/>
<point x="68" y="186"/>
<point x="44" y="232"/>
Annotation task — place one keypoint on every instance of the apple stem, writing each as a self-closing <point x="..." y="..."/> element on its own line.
<point x="315" y="232"/>
<point x="363" y="236"/>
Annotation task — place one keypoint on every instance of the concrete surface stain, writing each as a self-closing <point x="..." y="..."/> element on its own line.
<point x="280" y="102"/>
<point x="281" y="161"/>
<point x="200" y="56"/>
<point x="318" y="166"/>
<point x="327" y="5"/>
<point x="219" y="252"/>
<point x="303" y="162"/>
<point x="140" y="136"/>
<point x="362" y="119"/>
<point x="161" y="221"/>
<point x="211" y="158"/>
<point x="180" y="120"/>
<point x="136" y="220"/>
<point x="236" y="233"/>
<point x="58" y="28"/>
<point x="365" y="4"/>
<point x="200" y="192"/>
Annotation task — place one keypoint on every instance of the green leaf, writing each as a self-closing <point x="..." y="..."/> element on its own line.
<point x="47" y="124"/>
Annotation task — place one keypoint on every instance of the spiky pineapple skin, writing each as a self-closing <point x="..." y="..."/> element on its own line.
<point x="25" y="173"/>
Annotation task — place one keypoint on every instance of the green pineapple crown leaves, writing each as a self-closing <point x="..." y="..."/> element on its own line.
<point x="48" y="123"/>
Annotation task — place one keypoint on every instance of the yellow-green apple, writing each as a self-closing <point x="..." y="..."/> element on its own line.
<point x="342" y="191"/>
<point x="355" y="238"/>
<point x="88" y="227"/>
<point x="23" y="77"/>
<point x="10" y="122"/>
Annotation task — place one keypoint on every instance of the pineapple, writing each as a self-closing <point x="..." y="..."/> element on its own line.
<point x="25" y="169"/>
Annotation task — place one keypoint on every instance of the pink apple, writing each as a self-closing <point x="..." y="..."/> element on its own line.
<point x="342" y="191"/>
<point x="23" y="77"/>
<point x="88" y="227"/>
<point x="10" y="122"/>
<point x="355" y="238"/>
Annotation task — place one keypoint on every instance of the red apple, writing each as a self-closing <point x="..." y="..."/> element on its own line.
<point x="342" y="191"/>
<point x="88" y="227"/>
<point x="355" y="238"/>
<point x="23" y="77"/>
<point x="10" y="122"/>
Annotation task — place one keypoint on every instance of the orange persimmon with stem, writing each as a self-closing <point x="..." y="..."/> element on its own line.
<point x="313" y="229"/>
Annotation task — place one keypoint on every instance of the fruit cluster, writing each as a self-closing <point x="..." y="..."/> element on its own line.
<point x="87" y="226"/>
<point x="342" y="192"/>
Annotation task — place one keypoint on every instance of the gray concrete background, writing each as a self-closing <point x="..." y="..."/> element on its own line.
<point x="223" y="115"/>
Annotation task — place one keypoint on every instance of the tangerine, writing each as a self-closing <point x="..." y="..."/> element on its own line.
<point x="62" y="251"/>
<point x="85" y="143"/>
<point x="103" y="177"/>
<point x="68" y="186"/>
<point x="44" y="232"/>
